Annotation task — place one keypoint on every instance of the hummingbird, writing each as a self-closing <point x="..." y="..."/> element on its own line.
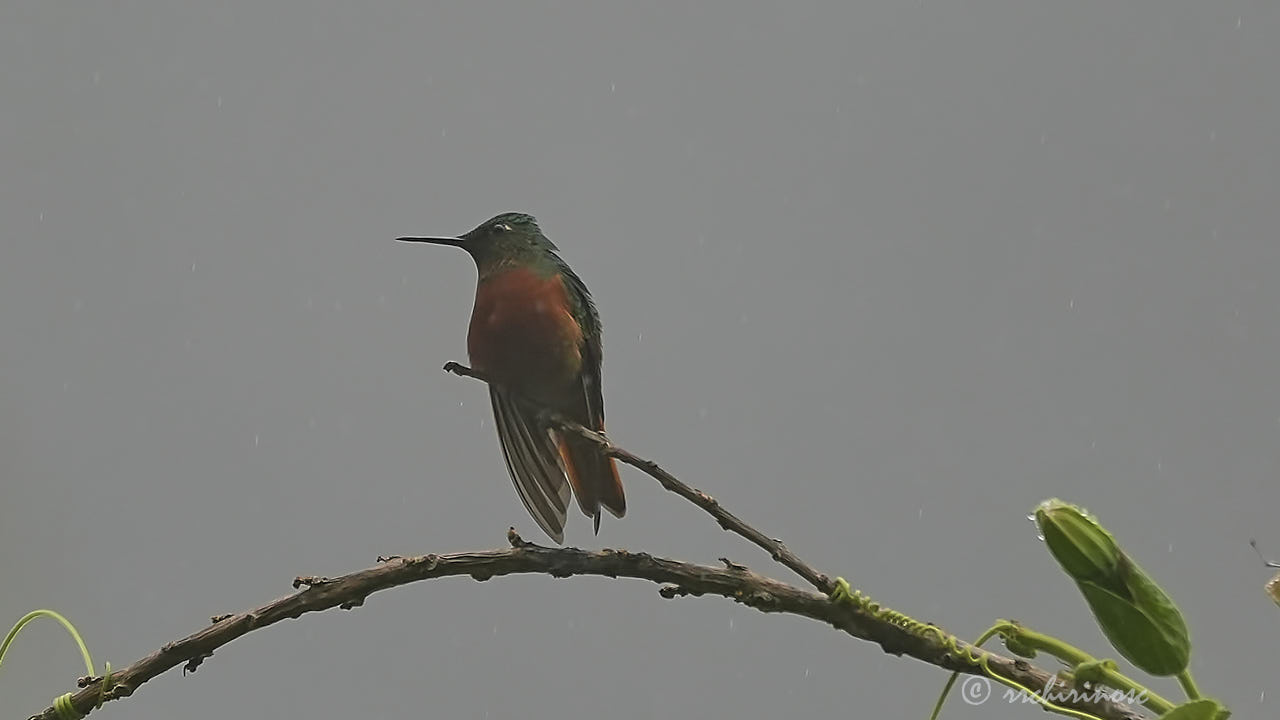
<point x="536" y="333"/>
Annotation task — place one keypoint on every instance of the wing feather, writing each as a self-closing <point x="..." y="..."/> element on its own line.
<point x="533" y="462"/>
<point x="593" y="474"/>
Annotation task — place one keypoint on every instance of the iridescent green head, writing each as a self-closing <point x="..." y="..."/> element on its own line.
<point x="506" y="239"/>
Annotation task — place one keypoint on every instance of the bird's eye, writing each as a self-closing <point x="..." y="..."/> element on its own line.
<point x="502" y="227"/>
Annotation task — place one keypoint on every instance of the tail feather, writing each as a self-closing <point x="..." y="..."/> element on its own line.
<point x="533" y="462"/>
<point x="594" y="477"/>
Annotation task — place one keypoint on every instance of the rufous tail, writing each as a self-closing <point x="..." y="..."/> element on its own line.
<point x="594" y="477"/>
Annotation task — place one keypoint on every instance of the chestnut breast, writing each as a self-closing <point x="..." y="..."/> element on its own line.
<point x="524" y="334"/>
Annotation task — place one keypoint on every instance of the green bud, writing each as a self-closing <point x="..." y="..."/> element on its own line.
<point x="1084" y="549"/>
<point x="1138" y="618"/>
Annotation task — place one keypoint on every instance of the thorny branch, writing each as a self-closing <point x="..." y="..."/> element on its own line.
<point x="677" y="578"/>
<point x="734" y="581"/>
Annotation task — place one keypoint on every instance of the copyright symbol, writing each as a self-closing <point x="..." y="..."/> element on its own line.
<point x="975" y="689"/>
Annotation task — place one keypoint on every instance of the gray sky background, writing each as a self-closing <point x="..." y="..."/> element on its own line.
<point x="881" y="276"/>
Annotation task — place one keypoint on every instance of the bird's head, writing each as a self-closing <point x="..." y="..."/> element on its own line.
<point x="502" y="239"/>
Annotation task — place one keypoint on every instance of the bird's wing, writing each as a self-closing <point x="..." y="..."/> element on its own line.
<point x="593" y="474"/>
<point x="584" y="310"/>
<point x="534" y="463"/>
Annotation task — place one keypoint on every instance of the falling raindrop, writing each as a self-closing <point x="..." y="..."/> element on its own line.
<point x="730" y="623"/>
<point x="255" y="440"/>
<point x="219" y="101"/>
<point x="42" y="216"/>
<point x="613" y="87"/>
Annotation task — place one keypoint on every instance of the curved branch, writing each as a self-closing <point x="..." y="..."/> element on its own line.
<point x="727" y="520"/>
<point x="679" y="578"/>
<point x="733" y="581"/>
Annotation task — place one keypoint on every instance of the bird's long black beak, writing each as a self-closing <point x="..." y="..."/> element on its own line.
<point x="455" y="242"/>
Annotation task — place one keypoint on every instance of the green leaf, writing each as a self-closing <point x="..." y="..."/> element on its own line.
<point x="1202" y="709"/>
<point x="1151" y="645"/>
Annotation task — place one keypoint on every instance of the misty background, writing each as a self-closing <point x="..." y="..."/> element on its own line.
<point x="880" y="276"/>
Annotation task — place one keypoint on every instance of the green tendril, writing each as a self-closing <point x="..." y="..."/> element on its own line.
<point x="971" y="654"/>
<point x="62" y="705"/>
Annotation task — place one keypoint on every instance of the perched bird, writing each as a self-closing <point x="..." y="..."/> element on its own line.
<point x="535" y="332"/>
